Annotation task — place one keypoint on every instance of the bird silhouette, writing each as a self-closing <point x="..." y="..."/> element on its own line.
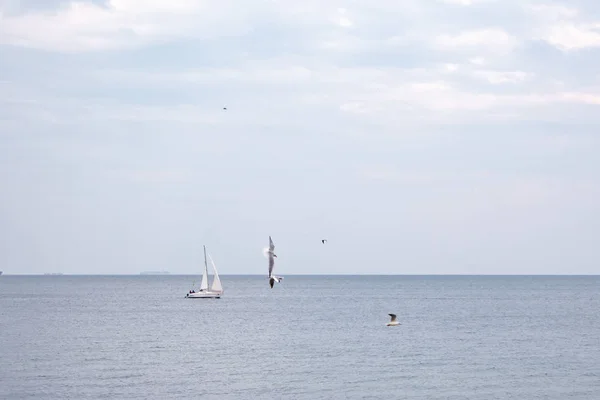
<point x="393" y="320"/>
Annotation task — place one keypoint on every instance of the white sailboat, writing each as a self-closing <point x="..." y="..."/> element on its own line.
<point x="216" y="289"/>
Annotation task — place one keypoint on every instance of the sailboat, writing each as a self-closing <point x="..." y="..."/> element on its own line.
<point x="216" y="289"/>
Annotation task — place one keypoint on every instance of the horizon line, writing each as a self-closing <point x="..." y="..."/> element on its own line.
<point x="180" y="274"/>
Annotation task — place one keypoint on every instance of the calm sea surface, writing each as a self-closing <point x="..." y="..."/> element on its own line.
<point x="311" y="337"/>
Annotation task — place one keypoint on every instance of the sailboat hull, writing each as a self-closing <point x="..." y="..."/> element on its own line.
<point x="203" y="295"/>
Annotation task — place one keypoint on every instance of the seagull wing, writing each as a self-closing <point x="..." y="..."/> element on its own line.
<point x="393" y="317"/>
<point x="271" y="264"/>
<point x="271" y="255"/>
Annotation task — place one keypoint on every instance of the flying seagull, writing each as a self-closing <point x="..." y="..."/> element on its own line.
<point x="323" y="241"/>
<point x="272" y="255"/>
<point x="393" y="321"/>
<point x="224" y="108"/>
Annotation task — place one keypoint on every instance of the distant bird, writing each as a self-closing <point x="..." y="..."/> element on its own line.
<point x="272" y="255"/>
<point x="393" y="321"/>
<point x="323" y="241"/>
<point x="224" y="108"/>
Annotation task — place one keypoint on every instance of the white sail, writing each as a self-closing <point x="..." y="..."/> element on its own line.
<point x="216" y="283"/>
<point x="204" y="284"/>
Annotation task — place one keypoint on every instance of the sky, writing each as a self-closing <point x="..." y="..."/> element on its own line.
<point x="417" y="136"/>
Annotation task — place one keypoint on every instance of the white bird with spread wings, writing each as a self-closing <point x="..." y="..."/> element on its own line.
<point x="272" y="255"/>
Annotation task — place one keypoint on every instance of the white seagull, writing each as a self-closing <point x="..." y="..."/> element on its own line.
<point x="272" y="255"/>
<point x="393" y="321"/>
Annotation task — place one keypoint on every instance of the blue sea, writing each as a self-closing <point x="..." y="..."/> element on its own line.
<point x="310" y="337"/>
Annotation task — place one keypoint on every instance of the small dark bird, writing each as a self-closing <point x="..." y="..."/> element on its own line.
<point x="323" y="241"/>
<point x="224" y="108"/>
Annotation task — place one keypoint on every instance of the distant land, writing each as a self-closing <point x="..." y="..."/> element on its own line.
<point x="53" y="273"/>
<point x="155" y="273"/>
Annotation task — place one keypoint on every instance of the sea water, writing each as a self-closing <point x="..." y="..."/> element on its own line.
<point x="310" y="337"/>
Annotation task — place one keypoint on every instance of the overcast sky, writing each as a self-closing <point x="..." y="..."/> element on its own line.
<point x="417" y="136"/>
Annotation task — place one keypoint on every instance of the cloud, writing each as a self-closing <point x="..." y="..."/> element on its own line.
<point x="82" y="26"/>
<point x="121" y="24"/>
<point x="572" y="37"/>
<point x="466" y="2"/>
<point x="564" y="27"/>
<point x="551" y="12"/>
<point x="493" y="39"/>
<point x="499" y="77"/>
